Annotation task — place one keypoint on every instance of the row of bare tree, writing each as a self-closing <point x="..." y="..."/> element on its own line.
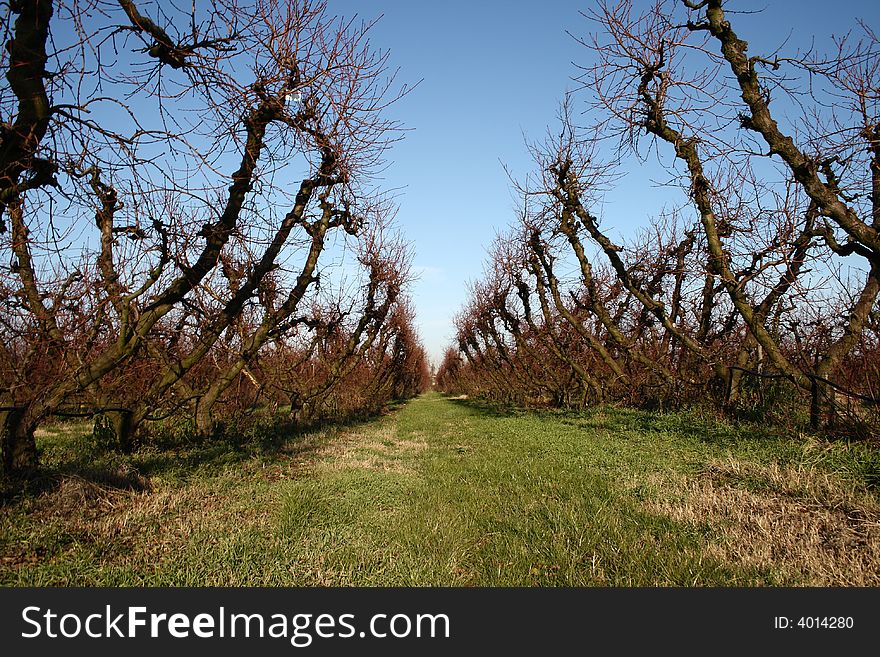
<point x="761" y="285"/>
<point x="188" y="218"/>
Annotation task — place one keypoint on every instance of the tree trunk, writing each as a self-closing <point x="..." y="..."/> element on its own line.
<point x="115" y="429"/>
<point x="823" y="408"/>
<point x="19" y="449"/>
<point x="205" y="422"/>
<point x="736" y="375"/>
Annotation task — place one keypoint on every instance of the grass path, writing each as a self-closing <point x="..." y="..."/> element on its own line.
<point x="447" y="492"/>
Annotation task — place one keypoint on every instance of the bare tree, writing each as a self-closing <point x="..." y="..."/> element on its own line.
<point x="131" y="135"/>
<point x="644" y="79"/>
<point x="775" y="278"/>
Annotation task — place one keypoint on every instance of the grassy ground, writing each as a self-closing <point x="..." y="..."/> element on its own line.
<point x="452" y="492"/>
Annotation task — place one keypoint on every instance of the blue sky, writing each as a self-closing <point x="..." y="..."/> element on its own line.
<point x="492" y="73"/>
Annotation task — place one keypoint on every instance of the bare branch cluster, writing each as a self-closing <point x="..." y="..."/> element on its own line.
<point x="762" y="285"/>
<point x="188" y="215"/>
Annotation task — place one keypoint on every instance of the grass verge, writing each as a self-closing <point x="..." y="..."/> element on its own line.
<point x="446" y="492"/>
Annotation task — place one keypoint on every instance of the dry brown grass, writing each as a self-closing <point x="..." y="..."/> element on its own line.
<point x="142" y="523"/>
<point x="811" y="527"/>
<point x="374" y="449"/>
<point x="136" y="528"/>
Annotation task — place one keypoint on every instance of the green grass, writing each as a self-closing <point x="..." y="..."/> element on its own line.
<point x="451" y="492"/>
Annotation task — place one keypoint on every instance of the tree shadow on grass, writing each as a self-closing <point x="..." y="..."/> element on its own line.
<point x="70" y="453"/>
<point x="488" y="409"/>
<point x="697" y="423"/>
<point x="269" y="440"/>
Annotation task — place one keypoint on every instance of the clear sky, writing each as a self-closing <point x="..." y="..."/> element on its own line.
<point x="491" y="73"/>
